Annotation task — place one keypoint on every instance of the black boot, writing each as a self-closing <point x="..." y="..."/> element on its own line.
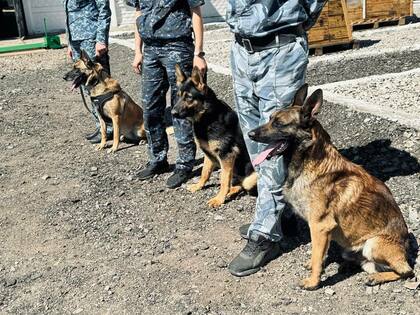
<point x="93" y="134"/>
<point x="153" y="169"/>
<point x="257" y="253"/>
<point x="179" y="177"/>
<point x="98" y="137"/>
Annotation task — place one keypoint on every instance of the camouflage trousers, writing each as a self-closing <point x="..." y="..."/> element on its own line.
<point x="89" y="46"/>
<point x="158" y="75"/>
<point x="263" y="83"/>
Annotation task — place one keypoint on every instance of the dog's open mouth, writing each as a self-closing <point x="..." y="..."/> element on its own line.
<point x="272" y="150"/>
<point x="78" y="81"/>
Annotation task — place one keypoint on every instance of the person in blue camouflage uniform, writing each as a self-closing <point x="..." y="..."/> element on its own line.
<point x="269" y="58"/>
<point x="164" y="39"/>
<point x="88" y="23"/>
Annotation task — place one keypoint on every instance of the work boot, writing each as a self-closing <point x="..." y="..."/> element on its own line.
<point x="153" y="169"/>
<point x="97" y="138"/>
<point x="243" y="230"/>
<point x="93" y="134"/>
<point x="257" y="253"/>
<point x="178" y="177"/>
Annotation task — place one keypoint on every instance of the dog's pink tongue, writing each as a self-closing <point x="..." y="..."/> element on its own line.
<point x="262" y="156"/>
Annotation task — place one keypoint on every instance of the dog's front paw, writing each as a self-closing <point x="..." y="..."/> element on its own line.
<point x="309" y="284"/>
<point x="112" y="150"/>
<point x="194" y="187"/>
<point x="216" y="202"/>
<point x="101" y="146"/>
<point x="233" y="191"/>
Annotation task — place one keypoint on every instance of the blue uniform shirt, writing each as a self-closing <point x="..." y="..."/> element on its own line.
<point x="88" y="19"/>
<point x="165" y="19"/>
<point x="256" y="18"/>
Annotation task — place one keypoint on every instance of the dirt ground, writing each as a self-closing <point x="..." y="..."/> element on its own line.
<point x="80" y="235"/>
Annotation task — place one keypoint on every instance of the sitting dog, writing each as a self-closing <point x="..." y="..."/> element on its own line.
<point x="112" y="103"/>
<point x="338" y="198"/>
<point x="217" y="133"/>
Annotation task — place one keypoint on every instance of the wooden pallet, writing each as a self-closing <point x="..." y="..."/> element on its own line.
<point x="376" y="23"/>
<point x="319" y="50"/>
<point x="375" y="12"/>
<point x="332" y="28"/>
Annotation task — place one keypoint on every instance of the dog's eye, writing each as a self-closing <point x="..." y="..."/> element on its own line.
<point x="188" y="98"/>
<point x="277" y="124"/>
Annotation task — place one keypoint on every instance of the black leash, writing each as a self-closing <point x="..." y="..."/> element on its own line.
<point x="84" y="99"/>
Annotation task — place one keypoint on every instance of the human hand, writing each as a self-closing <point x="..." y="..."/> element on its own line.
<point x="137" y="62"/>
<point x="100" y="49"/>
<point x="201" y="64"/>
<point x="69" y="53"/>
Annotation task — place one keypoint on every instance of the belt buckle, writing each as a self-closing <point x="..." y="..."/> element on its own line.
<point x="247" y="44"/>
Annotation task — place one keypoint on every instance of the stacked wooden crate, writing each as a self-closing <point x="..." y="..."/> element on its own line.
<point x="376" y="11"/>
<point x="332" y="28"/>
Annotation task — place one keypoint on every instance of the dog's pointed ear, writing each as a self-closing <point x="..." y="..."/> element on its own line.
<point x="312" y="105"/>
<point x="180" y="75"/>
<point x="198" y="80"/>
<point x="86" y="59"/>
<point x="300" y="95"/>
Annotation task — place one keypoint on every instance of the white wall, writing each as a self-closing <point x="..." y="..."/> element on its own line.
<point x="37" y="10"/>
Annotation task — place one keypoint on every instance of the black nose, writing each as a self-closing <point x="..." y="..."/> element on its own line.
<point x="251" y="134"/>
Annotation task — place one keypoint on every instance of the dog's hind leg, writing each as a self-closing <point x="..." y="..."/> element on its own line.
<point x="116" y="123"/>
<point x="208" y="167"/>
<point x="389" y="253"/>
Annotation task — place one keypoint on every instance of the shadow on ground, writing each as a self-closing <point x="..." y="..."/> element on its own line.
<point x="381" y="160"/>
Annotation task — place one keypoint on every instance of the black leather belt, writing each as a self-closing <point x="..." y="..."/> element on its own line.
<point x="278" y="39"/>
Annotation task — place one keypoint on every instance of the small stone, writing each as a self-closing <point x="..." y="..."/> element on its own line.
<point x="93" y="169"/>
<point x="369" y="290"/>
<point x="10" y="282"/>
<point x="204" y="246"/>
<point x="218" y="217"/>
<point x="121" y="194"/>
<point x="221" y="263"/>
<point x="398" y="290"/>
<point x="45" y="177"/>
<point x="78" y="311"/>
<point x="329" y="291"/>
<point x="412" y="285"/>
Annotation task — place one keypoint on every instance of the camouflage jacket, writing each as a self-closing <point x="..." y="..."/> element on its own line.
<point x="254" y="18"/>
<point x="88" y="19"/>
<point x="164" y="19"/>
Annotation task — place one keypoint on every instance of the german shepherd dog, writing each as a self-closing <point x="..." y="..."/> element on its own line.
<point x="339" y="199"/>
<point x="218" y="134"/>
<point x="117" y="105"/>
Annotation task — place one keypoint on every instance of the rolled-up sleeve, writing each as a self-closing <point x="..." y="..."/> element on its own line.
<point x="195" y="3"/>
<point x="133" y="3"/>
<point x="314" y="8"/>
<point x="104" y="21"/>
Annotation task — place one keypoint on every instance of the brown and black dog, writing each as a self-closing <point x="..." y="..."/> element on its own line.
<point x="218" y="134"/>
<point x="338" y="198"/>
<point x="112" y="102"/>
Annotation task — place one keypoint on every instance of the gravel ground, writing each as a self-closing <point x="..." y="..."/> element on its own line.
<point x="400" y="92"/>
<point x="374" y="44"/>
<point x="81" y="235"/>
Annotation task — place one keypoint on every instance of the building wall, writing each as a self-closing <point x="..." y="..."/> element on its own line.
<point x="36" y="11"/>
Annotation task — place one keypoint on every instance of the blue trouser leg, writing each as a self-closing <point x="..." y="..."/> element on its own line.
<point x="89" y="47"/>
<point x="158" y="76"/>
<point x="263" y="83"/>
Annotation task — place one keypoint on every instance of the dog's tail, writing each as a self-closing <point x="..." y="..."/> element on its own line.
<point x="250" y="182"/>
